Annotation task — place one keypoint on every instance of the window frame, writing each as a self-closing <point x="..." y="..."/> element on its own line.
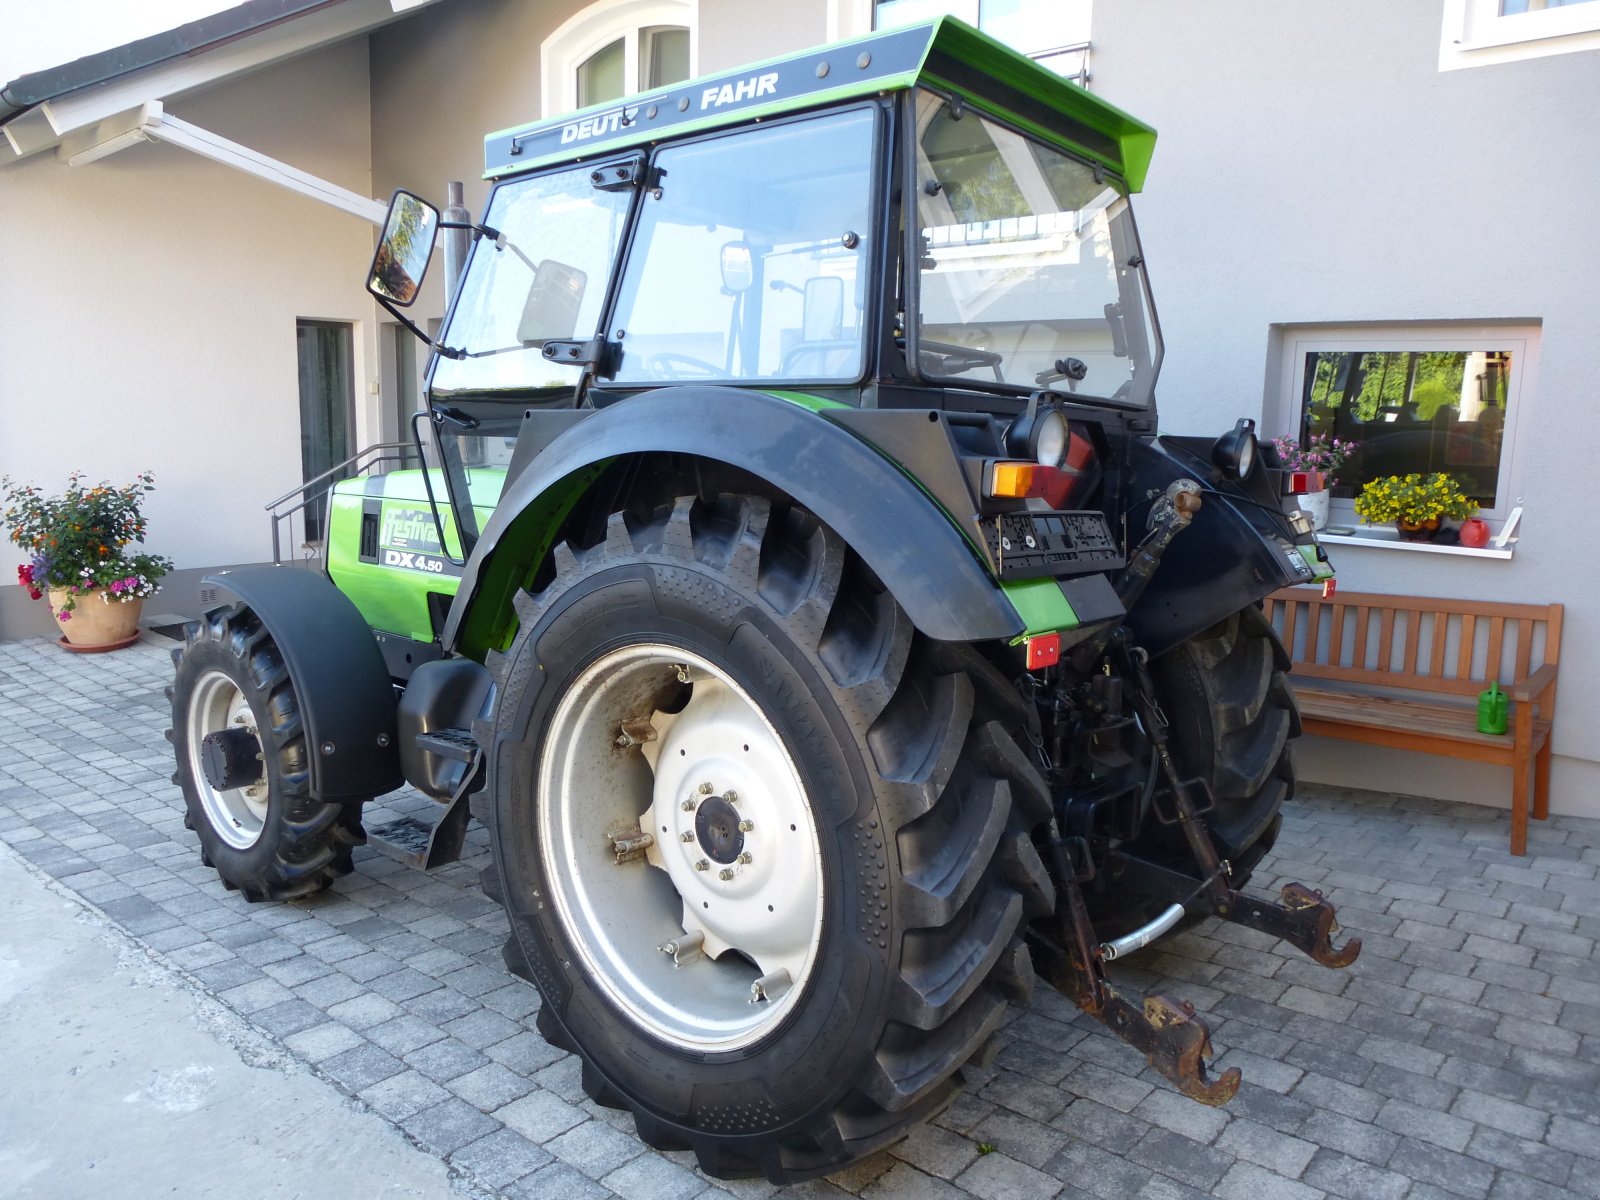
<point x="595" y="27"/>
<point x="1476" y="34"/>
<point x="1521" y="338"/>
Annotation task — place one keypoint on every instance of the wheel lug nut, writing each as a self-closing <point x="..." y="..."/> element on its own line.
<point x="686" y="837"/>
<point x="725" y="874"/>
<point x="702" y="865"/>
<point x="745" y="858"/>
<point x="746" y="826"/>
<point x="731" y="796"/>
<point x="706" y="789"/>
<point x="688" y="805"/>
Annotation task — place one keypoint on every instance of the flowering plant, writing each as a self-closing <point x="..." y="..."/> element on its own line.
<point x="78" y="541"/>
<point x="1320" y="453"/>
<point x="1414" y="499"/>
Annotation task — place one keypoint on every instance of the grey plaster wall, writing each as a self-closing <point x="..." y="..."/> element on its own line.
<point x="733" y="32"/>
<point x="1315" y="166"/>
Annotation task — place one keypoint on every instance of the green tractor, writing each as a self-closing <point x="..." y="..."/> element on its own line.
<point x="797" y="591"/>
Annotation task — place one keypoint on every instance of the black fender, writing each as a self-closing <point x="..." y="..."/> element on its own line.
<point x="346" y="697"/>
<point x="1239" y="548"/>
<point x="880" y="511"/>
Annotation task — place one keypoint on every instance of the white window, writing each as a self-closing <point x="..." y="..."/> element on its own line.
<point x="1055" y="32"/>
<point x="615" y="48"/>
<point x="1413" y="398"/>
<point x="1480" y="32"/>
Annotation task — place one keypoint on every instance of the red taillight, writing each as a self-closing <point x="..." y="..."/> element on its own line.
<point x="1044" y="651"/>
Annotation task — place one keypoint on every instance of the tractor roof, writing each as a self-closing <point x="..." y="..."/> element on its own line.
<point x="946" y="55"/>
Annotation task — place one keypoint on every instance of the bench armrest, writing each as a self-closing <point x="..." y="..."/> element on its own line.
<point x="1534" y="685"/>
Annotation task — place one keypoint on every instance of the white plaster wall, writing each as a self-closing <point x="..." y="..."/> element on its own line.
<point x="1315" y="166"/>
<point x="149" y="304"/>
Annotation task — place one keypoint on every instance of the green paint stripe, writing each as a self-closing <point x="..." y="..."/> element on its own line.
<point x="1041" y="605"/>
<point x="807" y="400"/>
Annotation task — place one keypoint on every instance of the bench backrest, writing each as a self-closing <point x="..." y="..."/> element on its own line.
<point x="1454" y="646"/>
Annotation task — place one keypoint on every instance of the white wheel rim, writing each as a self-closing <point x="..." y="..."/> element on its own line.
<point x="236" y="814"/>
<point x="709" y="942"/>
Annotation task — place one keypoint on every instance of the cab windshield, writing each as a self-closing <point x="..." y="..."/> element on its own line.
<point x="1030" y="273"/>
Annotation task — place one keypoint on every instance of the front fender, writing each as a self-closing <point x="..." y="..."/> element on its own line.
<point x="1238" y="549"/>
<point x="882" y="513"/>
<point x="346" y="697"/>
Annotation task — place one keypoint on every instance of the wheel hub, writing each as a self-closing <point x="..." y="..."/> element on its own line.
<point x="225" y="760"/>
<point x="716" y="828"/>
<point x="230" y="758"/>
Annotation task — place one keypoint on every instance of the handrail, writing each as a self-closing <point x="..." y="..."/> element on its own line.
<point x="374" y="455"/>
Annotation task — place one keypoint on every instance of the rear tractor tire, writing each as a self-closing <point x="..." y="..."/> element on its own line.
<point x="243" y="764"/>
<point x="764" y="849"/>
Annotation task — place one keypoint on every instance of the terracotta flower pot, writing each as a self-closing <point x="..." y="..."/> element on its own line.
<point x="94" y="623"/>
<point x="1418" y="531"/>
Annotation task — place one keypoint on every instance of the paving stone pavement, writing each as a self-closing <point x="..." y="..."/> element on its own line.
<point x="1459" y="1057"/>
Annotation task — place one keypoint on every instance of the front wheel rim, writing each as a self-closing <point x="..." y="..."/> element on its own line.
<point x="238" y="815"/>
<point x="709" y="942"/>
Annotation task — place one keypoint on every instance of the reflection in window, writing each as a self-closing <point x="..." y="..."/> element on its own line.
<point x="749" y="265"/>
<point x="600" y="76"/>
<point x="1412" y="410"/>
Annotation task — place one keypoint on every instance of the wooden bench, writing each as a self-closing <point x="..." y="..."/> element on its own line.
<point x="1406" y="671"/>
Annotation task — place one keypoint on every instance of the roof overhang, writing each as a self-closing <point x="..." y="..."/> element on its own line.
<point x="43" y="109"/>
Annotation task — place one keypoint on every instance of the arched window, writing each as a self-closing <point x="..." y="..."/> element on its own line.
<point x="614" y="48"/>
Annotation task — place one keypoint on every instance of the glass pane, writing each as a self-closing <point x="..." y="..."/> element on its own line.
<point x="600" y="76"/>
<point x="405" y="382"/>
<point x="1028" y="261"/>
<point x="666" y="56"/>
<point x="548" y="283"/>
<point x="892" y="14"/>
<point x="1411" y="410"/>
<point x="1509" y="8"/>
<point x="1031" y="27"/>
<point x="749" y="265"/>
<point x="324" y="350"/>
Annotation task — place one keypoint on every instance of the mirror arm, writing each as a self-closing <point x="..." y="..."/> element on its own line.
<point x="437" y="347"/>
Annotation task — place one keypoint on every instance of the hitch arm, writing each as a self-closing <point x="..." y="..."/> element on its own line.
<point x="1173" y="1040"/>
<point x="1301" y="917"/>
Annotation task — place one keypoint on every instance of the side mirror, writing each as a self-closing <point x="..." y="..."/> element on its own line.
<point x="738" y="268"/>
<point x="404" y="249"/>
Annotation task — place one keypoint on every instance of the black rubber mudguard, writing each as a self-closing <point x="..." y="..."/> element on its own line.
<point x="1238" y="550"/>
<point x="346" y="697"/>
<point x="879" y="510"/>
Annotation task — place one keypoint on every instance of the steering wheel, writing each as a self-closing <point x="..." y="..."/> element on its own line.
<point x="665" y="366"/>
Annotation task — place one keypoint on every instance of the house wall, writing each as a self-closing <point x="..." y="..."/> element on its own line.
<point x="1315" y="166"/>
<point x="150" y="302"/>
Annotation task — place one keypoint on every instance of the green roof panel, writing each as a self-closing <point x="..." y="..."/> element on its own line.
<point x="946" y="55"/>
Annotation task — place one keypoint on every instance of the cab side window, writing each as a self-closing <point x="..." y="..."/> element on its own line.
<point x="750" y="263"/>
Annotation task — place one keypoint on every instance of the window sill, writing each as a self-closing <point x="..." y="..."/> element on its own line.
<point x="1389" y="540"/>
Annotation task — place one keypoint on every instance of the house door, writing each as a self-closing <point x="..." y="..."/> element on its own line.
<point x="327" y="408"/>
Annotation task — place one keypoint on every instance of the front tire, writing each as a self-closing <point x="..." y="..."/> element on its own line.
<point x="258" y="824"/>
<point x="885" y="866"/>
